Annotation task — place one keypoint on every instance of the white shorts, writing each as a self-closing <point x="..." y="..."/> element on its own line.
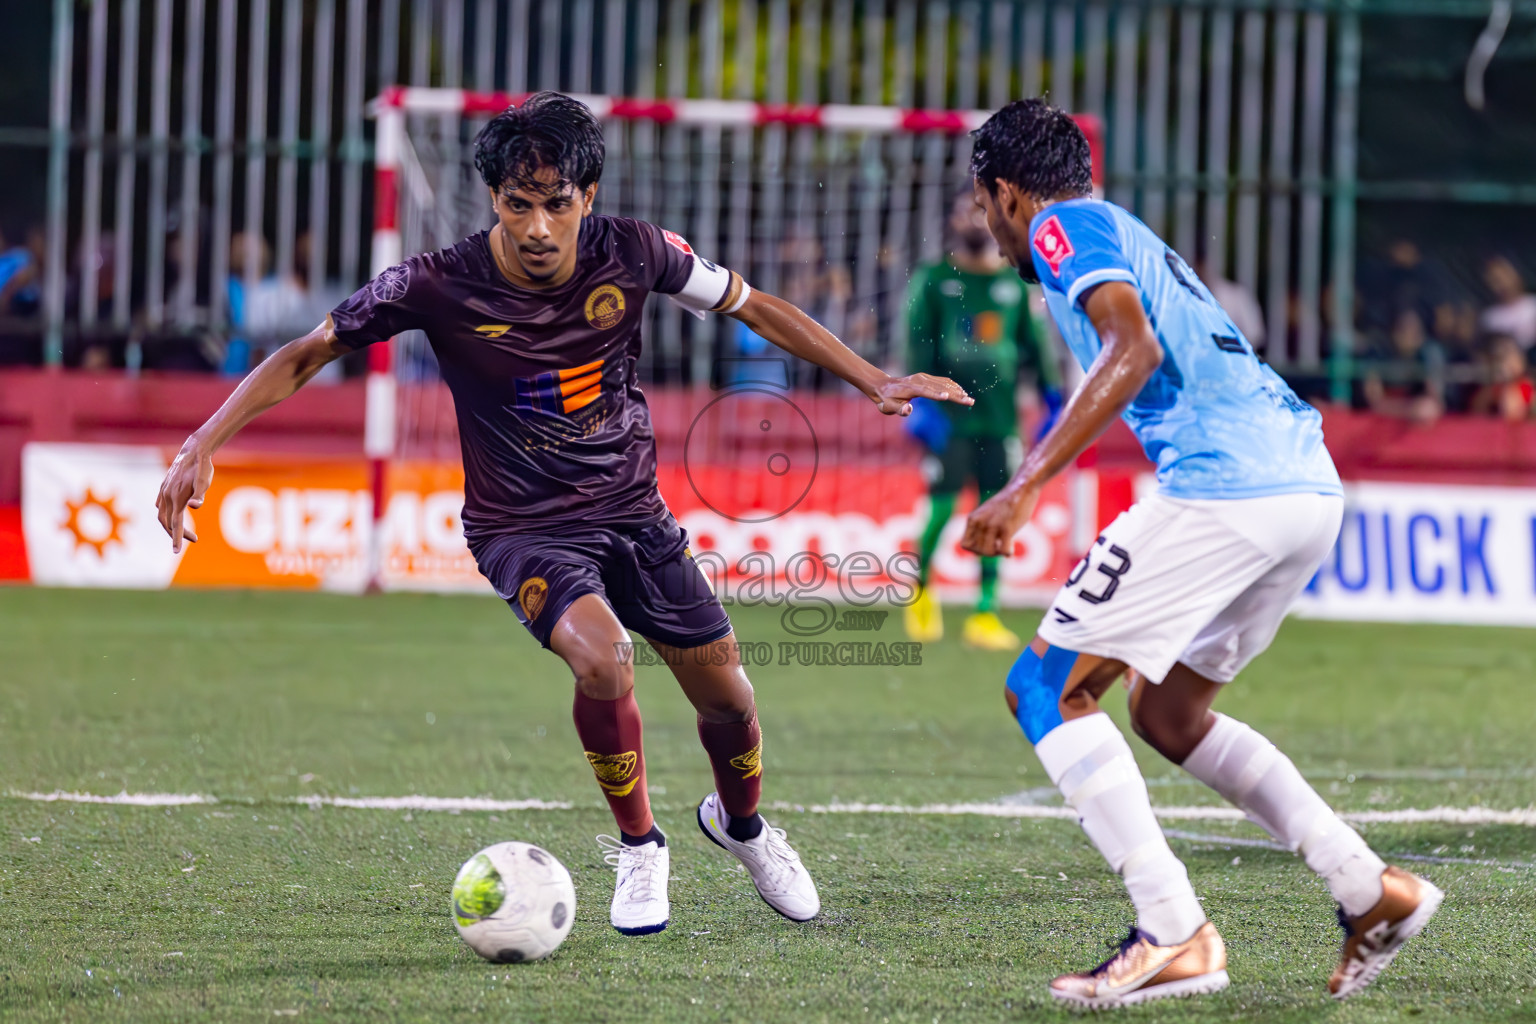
<point x="1205" y="583"/>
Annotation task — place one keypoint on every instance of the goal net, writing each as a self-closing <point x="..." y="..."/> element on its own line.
<point x="830" y="207"/>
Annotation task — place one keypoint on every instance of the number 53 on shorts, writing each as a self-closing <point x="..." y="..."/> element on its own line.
<point x="1202" y="582"/>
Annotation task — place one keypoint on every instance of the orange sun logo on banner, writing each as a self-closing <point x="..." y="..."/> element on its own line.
<point x="98" y="514"/>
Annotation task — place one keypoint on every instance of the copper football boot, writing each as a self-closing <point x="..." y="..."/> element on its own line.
<point x="1373" y="939"/>
<point x="1141" y="971"/>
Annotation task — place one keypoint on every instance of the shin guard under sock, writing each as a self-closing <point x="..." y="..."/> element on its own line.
<point x="1247" y="770"/>
<point x="1091" y="763"/>
<point x="610" y="733"/>
<point x="736" y="754"/>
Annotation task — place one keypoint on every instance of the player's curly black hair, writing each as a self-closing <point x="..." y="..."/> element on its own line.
<point x="1036" y="148"/>
<point x="548" y="130"/>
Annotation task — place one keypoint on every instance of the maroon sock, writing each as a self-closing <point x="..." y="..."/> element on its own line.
<point x="736" y="753"/>
<point x="611" y="735"/>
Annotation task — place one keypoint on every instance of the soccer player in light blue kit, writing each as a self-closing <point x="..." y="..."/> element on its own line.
<point x="1185" y="588"/>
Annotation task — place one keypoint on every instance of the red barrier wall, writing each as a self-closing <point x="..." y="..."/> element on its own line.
<point x="46" y="405"/>
<point x="111" y="408"/>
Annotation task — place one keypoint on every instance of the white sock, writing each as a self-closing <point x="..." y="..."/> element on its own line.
<point x="1244" y="767"/>
<point x="1089" y="760"/>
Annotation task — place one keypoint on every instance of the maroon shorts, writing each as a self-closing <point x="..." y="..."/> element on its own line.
<point x="645" y="573"/>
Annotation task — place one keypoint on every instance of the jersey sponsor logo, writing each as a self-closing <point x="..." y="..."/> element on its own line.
<point x="986" y="327"/>
<point x="950" y="288"/>
<point x="615" y="772"/>
<point x="493" y="330"/>
<point x="605" y="306"/>
<point x="679" y="241"/>
<point x="532" y="595"/>
<point x="559" y="391"/>
<point x="1005" y="292"/>
<point x="1052" y="243"/>
<point x="750" y="763"/>
<point x="390" y="285"/>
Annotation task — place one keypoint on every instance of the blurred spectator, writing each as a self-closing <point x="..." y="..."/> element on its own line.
<point x="277" y="309"/>
<point x="807" y="280"/>
<point x="237" y="359"/>
<point x="1405" y="280"/>
<point x="100" y="266"/>
<point x="1406" y="377"/>
<point x="21" y="273"/>
<point x="325" y="293"/>
<point x="1509" y="393"/>
<point x="96" y="356"/>
<point x="1239" y="303"/>
<point x="19" y="277"/>
<point x="1513" y="312"/>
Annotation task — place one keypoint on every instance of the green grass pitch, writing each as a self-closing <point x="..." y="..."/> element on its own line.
<point x="257" y="908"/>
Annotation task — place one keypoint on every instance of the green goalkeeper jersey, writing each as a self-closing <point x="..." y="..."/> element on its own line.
<point x="979" y="330"/>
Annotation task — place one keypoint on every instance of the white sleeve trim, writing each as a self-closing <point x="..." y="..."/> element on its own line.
<point x="741" y="300"/>
<point x="1094" y="277"/>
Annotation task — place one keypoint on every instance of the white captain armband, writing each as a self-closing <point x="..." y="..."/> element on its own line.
<point x="712" y="289"/>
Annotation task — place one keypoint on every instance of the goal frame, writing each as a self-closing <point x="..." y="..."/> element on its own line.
<point x="395" y="103"/>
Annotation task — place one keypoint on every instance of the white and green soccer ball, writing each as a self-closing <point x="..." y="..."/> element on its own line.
<point x="513" y="902"/>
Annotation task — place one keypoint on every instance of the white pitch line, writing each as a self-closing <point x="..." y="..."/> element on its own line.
<point x="129" y="799"/>
<point x="1433" y="815"/>
<point x="1422" y="858"/>
<point x="431" y="803"/>
<point x="998" y="810"/>
<point x="1446" y="816"/>
<point x="367" y="803"/>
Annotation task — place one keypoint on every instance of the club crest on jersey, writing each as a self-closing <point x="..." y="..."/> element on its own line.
<point x="532" y="595"/>
<point x="605" y="306"/>
<point x="1052" y="243"/>
<point x="678" y="240"/>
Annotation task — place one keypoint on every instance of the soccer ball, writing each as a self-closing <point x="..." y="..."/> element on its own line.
<point x="513" y="902"/>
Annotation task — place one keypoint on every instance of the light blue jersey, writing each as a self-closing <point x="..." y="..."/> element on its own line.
<point x="1217" y="422"/>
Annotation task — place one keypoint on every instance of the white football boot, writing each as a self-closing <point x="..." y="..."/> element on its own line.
<point x="781" y="879"/>
<point x="640" y="905"/>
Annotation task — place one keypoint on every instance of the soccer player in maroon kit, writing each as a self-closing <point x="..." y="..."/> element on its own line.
<point x="536" y="328"/>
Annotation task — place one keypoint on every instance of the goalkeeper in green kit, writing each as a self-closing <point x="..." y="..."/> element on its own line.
<point x="969" y="318"/>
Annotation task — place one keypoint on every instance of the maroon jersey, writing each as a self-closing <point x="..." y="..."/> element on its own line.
<point x="552" y="423"/>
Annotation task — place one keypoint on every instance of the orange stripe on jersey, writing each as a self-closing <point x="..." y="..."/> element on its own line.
<point x="582" y="399"/>
<point x="570" y="387"/>
<point x="581" y="371"/>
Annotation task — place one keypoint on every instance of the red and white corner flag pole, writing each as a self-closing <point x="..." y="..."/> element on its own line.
<point x="379" y="419"/>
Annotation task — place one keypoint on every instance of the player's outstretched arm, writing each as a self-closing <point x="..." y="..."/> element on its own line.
<point x="1131" y="354"/>
<point x="280" y="375"/>
<point x="794" y="331"/>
